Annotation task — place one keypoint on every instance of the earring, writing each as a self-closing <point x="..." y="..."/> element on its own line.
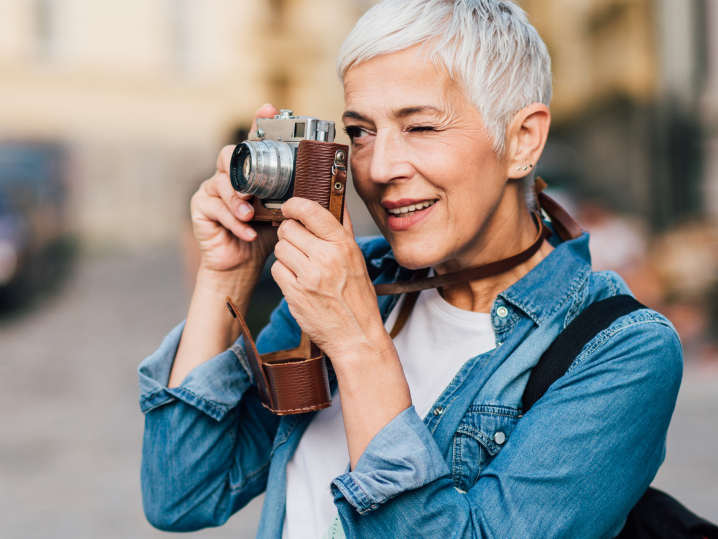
<point x="525" y="168"/>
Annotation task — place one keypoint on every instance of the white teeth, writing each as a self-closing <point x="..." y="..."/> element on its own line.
<point x="412" y="207"/>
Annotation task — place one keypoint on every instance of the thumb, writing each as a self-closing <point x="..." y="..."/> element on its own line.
<point x="265" y="111"/>
<point x="347" y="221"/>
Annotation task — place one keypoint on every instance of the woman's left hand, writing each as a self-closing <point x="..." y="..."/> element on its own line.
<point x="323" y="276"/>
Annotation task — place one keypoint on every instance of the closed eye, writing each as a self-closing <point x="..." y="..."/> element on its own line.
<point x="421" y="128"/>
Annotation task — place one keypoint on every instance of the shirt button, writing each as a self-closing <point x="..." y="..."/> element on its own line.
<point x="503" y="312"/>
<point x="438" y="410"/>
<point x="499" y="438"/>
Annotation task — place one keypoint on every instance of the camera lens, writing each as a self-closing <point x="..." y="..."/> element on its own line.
<point x="263" y="169"/>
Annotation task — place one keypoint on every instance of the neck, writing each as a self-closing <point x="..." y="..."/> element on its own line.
<point x="496" y="241"/>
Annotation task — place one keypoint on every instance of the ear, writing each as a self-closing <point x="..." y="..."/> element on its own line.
<point x="525" y="139"/>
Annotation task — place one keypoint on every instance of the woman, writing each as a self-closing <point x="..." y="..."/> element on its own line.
<point x="447" y="112"/>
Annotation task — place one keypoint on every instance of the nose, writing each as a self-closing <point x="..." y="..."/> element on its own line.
<point x="388" y="161"/>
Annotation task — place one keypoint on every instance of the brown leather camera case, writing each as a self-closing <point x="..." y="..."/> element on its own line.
<point x="313" y="179"/>
<point x="289" y="381"/>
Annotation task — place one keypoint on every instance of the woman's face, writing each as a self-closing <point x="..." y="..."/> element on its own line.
<point x="421" y="160"/>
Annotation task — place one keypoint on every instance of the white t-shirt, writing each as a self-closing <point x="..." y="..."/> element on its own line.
<point x="436" y="341"/>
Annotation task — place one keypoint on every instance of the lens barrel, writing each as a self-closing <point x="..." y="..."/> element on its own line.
<point x="263" y="169"/>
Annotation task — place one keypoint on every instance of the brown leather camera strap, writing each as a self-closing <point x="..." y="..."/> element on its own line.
<point x="296" y="381"/>
<point x="469" y="274"/>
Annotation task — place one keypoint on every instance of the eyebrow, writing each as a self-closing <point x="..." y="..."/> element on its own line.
<point x="401" y="113"/>
<point x="355" y="115"/>
<point x="408" y="111"/>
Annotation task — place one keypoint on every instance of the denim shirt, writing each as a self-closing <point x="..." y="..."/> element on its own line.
<point x="573" y="466"/>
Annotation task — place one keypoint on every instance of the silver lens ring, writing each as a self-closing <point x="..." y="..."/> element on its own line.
<point x="269" y="173"/>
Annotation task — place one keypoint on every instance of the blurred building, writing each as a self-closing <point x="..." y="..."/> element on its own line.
<point x="635" y="142"/>
<point x="143" y="93"/>
<point x="636" y="103"/>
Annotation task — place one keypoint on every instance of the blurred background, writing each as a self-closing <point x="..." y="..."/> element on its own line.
<point x="111" y="115"/>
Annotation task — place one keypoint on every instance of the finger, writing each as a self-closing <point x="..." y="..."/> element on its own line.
<point x="297" y="234"/>
<point x="265" y="111"/>
<point x="237" y="203"/>
<point x="347" y="221"/>
<point x="284" y="278"/>
<point x="212" y="208"/>
<point x="225" y="158"/>
<point x="316" y="219"/>
<point x="212" y="187"/>
<point x="292" y="257"/>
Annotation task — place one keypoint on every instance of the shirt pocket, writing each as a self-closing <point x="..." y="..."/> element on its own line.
<point x="482" y="433"/>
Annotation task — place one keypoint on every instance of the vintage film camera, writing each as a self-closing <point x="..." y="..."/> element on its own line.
<point x="290" y="156"/>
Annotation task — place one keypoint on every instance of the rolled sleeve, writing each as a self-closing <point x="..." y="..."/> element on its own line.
<point x="214" y="387"/>
<point x="402" y="456"/>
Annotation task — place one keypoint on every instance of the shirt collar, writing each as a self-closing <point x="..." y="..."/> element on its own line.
<point x="553" y="281"/>
<point x="383" y="261"/>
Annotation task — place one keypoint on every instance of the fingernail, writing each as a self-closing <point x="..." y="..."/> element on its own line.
<point x="251" y="233"/>
<point x="245" y="209"/>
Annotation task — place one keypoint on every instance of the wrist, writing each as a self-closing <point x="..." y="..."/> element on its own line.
<point x="228" y="282"/>
<point x="238" y="284"/>
<point x="358" y="357"/>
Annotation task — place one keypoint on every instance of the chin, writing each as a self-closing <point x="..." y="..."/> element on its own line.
<point x="414" y="255"/>
<point x="410" y="251"/>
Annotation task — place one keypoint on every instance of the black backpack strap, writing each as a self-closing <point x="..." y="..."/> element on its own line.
<point x="656" y="515"/>
<point x="556" y="360"/>
<point x="659" y="516"/>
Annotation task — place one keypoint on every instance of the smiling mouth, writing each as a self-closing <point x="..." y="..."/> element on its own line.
<point x="411" y="209"/>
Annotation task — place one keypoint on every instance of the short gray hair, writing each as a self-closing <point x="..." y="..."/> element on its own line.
<point x="487" y="45"/>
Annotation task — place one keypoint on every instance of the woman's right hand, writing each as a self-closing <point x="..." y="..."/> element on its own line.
<point x="221" y="215"/>
<point x="233" y="254"/>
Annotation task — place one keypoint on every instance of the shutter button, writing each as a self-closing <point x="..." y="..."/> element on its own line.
<point x="499" y="438"/>
<point x="438" y="410"/>
<point x="503" y="312"/>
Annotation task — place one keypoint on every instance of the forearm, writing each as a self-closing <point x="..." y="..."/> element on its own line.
<point x="210" y="419"/>
<point x="181" y="495"/>
<point x="209" y="329"/>
<point x="373" y="390"/>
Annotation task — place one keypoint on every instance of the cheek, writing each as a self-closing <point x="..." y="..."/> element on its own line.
<point x="450" y="169"/>
<point x="366" y="188"/>
<point x="470" y="180"/>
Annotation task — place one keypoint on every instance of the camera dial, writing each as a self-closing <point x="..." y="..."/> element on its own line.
<point x="263" y="169"/>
